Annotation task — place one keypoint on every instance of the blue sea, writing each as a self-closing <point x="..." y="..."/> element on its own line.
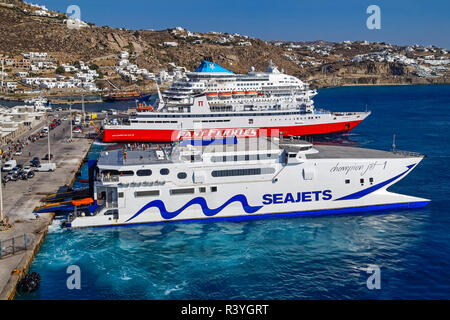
<point x="286" y="258"/>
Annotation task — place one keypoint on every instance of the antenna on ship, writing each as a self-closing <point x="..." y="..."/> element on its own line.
<point x="393" y="143"/>
<point x="3" y="70"/>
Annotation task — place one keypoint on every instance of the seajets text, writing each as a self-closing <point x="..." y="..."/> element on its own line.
<point x="278" y="198"/>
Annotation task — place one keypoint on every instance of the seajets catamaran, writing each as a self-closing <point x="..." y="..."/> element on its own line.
<point x="214" y="102"/>
<point x="231" y="178"/>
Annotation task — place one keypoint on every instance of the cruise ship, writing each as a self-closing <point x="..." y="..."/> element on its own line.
<point x="236" y="179"/>
<point x="214" y="102"/>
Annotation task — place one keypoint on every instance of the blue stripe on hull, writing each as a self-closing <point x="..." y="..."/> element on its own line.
<point x="393" y="206"/>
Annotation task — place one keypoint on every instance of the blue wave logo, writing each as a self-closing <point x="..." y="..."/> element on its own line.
<point x="362" y="193"/>
<point x="200" y="201"/>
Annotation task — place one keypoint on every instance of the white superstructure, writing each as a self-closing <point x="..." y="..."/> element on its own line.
<point x="223" y="87"/>
<point x="242" y="179"/>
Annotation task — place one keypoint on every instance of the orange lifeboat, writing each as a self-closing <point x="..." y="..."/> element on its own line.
<point x="82" y="202"/>
<point x="251" y="93"/>
<point x="146" y="108"/>
<point x="225" y="95"/>
<point x="210" y="95"/>
<point x="238" y="94"/>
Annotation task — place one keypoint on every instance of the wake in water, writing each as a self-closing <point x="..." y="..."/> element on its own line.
<point x="99" y="142"/>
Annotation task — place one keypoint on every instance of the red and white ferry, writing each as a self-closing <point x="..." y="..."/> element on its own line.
<point x="214" y="102"/>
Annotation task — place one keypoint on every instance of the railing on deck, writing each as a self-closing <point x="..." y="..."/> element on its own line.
<point x="408" y="153"/>
<point x="14" y="245"/>
<point x="108" y="179"/>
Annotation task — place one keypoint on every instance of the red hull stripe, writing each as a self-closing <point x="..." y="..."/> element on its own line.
<point x="156" y="135"/>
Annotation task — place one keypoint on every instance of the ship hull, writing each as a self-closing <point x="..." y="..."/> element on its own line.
<point x="120" y="134"/>
<point x="291" y="194"/>
<point x="130" y="98"/>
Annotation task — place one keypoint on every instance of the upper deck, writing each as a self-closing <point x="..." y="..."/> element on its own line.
<point x="333" y="152"/>
<point x="233" y="149"/>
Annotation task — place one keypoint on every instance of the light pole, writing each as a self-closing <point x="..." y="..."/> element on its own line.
<point x="82" y="108"/>
<point x="48" y="140"/>
<point x="71" y="131"/>
<point x="1" y="199"/>
<point x="3" y="70"/>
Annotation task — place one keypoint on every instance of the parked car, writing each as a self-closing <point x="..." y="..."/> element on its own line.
<point x="46" y="157"/>
<point x="35" y="162"/>
<point x="22" y="175"/>
<point x="11" y="177"/>
<point x="9" y="165"/>
<point x="46" y="167"/>
<point x="28" y="169"/>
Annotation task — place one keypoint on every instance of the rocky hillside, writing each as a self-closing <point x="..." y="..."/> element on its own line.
<point x="23" y="31"/>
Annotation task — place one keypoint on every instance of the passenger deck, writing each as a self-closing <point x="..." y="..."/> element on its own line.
<point x="330" y="152"/>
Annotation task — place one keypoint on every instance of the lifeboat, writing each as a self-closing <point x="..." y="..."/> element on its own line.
<point x="251" y="93"/>
<point x="260" y="93"/>
<point x="143" y="108"/>
<point x="210" y="95"/>
<point x="225" y="95"/>
<point x="237" y="94"/>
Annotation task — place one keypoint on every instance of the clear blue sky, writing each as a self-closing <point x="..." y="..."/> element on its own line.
<point x="402" y="22"/>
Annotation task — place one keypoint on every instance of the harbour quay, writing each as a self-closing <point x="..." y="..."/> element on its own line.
<point x="22" y="239"/>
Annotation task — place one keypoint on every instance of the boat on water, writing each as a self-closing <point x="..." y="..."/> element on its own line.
<point x="214" y="102"/>
<point x="238" y="179"/>
<point x="124" y="96"/>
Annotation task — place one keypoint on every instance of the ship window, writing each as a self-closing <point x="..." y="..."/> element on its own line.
<point x="347" y="181"/>
<point x="182" y="191"/>
<point x="371" y="180"/>
<point x="142" y="173"/>
<point x="202" y="189"/>
<point x="147" y="193"/>
<point x="164" y="172"/>
<point x="181" y="175"/>
<point x="213" y="189"/>
<point x="361" y="180"/>
<point x="241" y="172"/>
<point x="127" y="173"/>
<point x="110" y="172"/>
<point x="120" y="194"/>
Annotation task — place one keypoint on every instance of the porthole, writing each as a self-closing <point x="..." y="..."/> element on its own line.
<point x="146" y="172"/>
<point x="181" y="175"/>
<point x="164" y="172"/>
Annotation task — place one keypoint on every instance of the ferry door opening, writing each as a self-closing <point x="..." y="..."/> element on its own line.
<point x="107" y="196"/>
<point x="111" y="197"/>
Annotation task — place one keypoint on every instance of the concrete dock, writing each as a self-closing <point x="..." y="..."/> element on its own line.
<point x="22" y="196"/>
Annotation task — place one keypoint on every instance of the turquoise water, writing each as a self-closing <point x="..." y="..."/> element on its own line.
<point x="295" y="258"/>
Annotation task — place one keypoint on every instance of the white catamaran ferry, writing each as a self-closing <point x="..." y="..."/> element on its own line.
<point x="214" y="102"/>
<point x="249" y="178"/>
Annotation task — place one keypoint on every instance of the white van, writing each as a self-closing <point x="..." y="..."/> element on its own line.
<point x="46" y="167"/>
<point x="9" y="165"/>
